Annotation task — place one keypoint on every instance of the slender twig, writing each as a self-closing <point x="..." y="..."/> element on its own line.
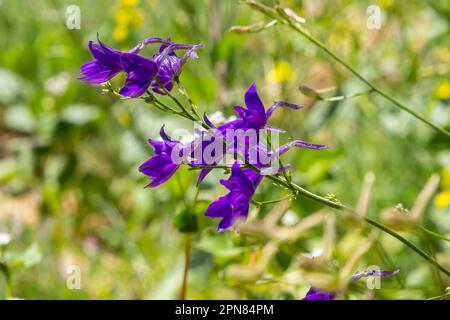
<point x="262" y="203"/>
<point x="280" y="15"/>
<point x="442" y="296"/>
<point x="184" y="92"/>
<point x="179" y="104"/>
<point x="434" y="234"/>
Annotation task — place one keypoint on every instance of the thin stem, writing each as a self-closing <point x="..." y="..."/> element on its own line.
<point x="434" y="234"/>
<point x="430" y="249"/>
<point x="210" y="167"/>
<point x="181" y="187"/>
<point x="270" y="12"/>
<point x="387" y="260"/>
<point x="188" y="98"/>
<point x="442" y="296"/>
<point x="187" y="258"/>
<point x="179" y="104"/>
<point x="411" y="245"/>
<point x="158" y="104"/>
<point x="348" y="96"/>
<point x="262" y="203"/>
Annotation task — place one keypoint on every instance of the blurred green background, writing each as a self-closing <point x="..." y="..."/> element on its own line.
<point x="71" y="194"/>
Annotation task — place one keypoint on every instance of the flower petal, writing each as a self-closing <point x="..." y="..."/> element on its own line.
<point x="141" y="72"/>
<point x="316" y="294"/>
<point x="253" y="102"/>
<point x="219" y="208"/>
<point x="281" y="104"/>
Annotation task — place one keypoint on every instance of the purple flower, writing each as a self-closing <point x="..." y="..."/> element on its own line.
<point x="170" y="64"/>
<point x="234" y="205"/>
<point x="140" y="73"/>
<point x="106" y="64"/>
<point x="256" y="116"/>
<point x="161" y="166"/>
<point x="316" y="294"/>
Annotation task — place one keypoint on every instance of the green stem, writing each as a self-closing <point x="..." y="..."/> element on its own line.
<point x="349" y="96"/>
<point x="442" y="296"/>
<point x="179" y="104"/>
<point x="270" y="12"/>
<point x="187" y="258"/>
<point x="188" y="98"/>
<point x="262" y="203"/>
<point x="210" y="167"/>
<point x="388" y="261"/>
<point x="434" y="234"/>
<point x="411" y="245"/>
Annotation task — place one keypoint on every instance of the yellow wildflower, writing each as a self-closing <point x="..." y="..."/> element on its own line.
<point x="443" y="90"/>
<point x="124" y="16"/>
<point x="129" y="3"/>
<point x="281" y="72"/>
<point x="442" y="199"/>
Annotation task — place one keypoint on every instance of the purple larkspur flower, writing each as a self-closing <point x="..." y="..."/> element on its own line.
<point x="234" y="205"/>
<point x="106" y="64"/>
<point x="317" y="294"/>
<point x="141" y="71"/>
<point x="255" y="117"/>
<point x="161" y="166"/>
<point x="170" y="64"/>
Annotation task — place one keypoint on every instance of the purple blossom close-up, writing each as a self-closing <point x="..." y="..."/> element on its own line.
<point x="159" y="71"/>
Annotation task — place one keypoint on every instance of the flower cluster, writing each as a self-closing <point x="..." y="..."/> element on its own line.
<point x="142" y="72"/>
<point x="241" y="137"/>
<point x="231" y="137"/>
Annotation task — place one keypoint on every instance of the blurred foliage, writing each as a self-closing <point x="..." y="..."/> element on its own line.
<point x="69" y="154"/>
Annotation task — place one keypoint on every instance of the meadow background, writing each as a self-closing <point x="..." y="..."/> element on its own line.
<point x="71" y="194"/>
